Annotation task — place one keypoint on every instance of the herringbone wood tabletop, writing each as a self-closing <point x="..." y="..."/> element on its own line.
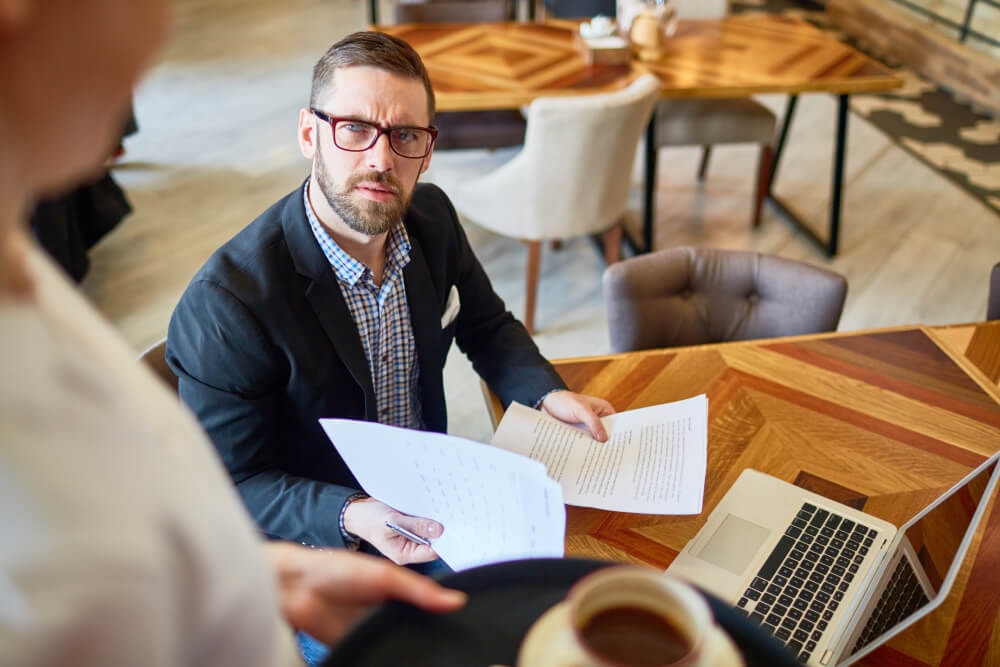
<point x="506" y="65"/>
<point x="883" y="420"/>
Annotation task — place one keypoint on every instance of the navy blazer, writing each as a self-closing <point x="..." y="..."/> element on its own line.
<point x="264" y="346"/>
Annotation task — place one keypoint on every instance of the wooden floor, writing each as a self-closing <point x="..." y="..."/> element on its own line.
<point x="217" y="145"/>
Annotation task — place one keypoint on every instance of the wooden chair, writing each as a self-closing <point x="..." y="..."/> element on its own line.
<point x="572" y="178"/>
<point x="688" y="296"/>
<point x="155" y="358"/>
<point x="491" y="128"/>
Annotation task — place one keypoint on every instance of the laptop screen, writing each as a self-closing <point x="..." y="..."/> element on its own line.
<point x="939" y="537"/>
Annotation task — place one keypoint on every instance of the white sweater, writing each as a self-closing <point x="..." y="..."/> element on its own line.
<point x="122" y="541"/>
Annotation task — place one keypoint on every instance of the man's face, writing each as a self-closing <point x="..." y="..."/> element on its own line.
<point x="369" y="190"/>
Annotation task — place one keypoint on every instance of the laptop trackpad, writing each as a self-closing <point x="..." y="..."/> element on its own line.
<point x="734" y="544"/>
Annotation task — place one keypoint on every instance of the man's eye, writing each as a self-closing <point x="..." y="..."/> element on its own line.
<point x="406" y="135"/>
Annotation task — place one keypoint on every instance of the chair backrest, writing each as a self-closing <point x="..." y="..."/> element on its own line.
<point x="993" y="302"/>
<point x="701" y="9"/>
<point x="452" y="11"/>
<point x="574" y="174"/>
<point x="687" y="296"/>
<point x="155" y="358"/>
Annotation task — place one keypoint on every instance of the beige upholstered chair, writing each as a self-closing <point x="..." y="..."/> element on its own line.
<point x="707" y="122"/>
<point x="572" y="178"/>
<point x="993" y="302"/>
<point x="687" y="296"/>
<point x="155" y="358"/>
<point x="490" y="128"/>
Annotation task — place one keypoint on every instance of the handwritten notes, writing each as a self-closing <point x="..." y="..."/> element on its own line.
<point x="494" y="505"/>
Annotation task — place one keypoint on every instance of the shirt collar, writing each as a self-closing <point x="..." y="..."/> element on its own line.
<point x="348" y="269"/>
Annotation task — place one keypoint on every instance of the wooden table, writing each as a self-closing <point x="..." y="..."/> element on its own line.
<point x="884" y="420"/>
<point x="507" y="65"/>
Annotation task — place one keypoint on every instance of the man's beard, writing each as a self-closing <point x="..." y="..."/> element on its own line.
<point x="363" y="215"/>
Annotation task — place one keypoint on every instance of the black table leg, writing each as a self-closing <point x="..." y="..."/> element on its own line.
<point x="832" y="242"/>
<point x="649" y="187"/>
<point x="373" y="11"/>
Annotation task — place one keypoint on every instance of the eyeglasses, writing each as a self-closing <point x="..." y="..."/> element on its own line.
<point x="351" y="134"/>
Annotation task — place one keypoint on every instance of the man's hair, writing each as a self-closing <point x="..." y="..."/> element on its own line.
<point x="370" y="49"/>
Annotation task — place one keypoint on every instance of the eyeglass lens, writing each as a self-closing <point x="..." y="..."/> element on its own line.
<point x="352" y="135"/>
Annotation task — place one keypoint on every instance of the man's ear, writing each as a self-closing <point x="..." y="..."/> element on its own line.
<point x="308" y="132"/>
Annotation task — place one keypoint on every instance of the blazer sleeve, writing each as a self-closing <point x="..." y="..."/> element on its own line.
<point x="230" y="376"/>
<point x="501" y="350"/>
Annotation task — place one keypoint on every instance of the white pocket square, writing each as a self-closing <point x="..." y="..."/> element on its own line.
<point x="451" y="308"/>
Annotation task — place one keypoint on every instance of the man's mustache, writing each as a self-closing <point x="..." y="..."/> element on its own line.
<point x="378" y="177"/>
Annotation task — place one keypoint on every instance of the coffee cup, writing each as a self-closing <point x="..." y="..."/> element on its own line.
<point x="628" y="616"/>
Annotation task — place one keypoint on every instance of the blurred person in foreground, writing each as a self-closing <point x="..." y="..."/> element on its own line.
<point x="122" y="541"/>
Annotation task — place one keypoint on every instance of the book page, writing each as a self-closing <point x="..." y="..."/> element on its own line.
<point x="494" y="505"/>
<point x="654" y="461"/>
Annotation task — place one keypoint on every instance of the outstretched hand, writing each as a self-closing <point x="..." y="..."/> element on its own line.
<point x="366" y="518"/>
<point x="324" y="591"/>
<point x="579" y="410"/>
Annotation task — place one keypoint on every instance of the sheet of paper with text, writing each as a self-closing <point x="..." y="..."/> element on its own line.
<point x="494" y="505"/>
<point x="653" y="463"/>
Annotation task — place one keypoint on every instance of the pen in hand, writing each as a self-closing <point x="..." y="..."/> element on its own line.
<point x="410" y="535"/>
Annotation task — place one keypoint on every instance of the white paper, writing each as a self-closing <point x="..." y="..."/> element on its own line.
<point x="495" y="505"/>
<point x="653" y="463"/>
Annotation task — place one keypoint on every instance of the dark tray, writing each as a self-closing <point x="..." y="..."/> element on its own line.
<point x="504" y="600"/>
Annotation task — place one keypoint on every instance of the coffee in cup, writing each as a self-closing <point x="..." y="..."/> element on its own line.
<point x="628" y="616"/>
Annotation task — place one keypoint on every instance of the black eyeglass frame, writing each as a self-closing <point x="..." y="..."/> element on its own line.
<point x="333" y="120"/>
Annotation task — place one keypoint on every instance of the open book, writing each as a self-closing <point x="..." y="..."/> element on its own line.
<point x="505" y="501"/>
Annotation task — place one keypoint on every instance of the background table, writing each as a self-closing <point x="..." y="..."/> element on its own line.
<point x="507" y="65"/>
<point x="883" y="420"/>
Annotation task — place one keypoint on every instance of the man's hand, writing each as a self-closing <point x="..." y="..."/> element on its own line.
<point x="579" y="410"/>
<point x="366" y="518"/>
<point x="324" y="591"/>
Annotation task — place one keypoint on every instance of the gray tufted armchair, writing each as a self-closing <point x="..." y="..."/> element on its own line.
<point x="687" y="296"/>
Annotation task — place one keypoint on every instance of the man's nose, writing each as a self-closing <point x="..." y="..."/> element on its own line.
<point x="380" y="156"/>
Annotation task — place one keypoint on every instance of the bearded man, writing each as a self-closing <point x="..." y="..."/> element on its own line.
<point x="342" y="300"/>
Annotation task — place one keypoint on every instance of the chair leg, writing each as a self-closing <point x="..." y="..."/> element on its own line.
<point x="531" y="284"/>
<point x="556" y="244"/>
<point x="763" y="176"/>
<point x="706" y="152"/>
<point x="612" y="244"/>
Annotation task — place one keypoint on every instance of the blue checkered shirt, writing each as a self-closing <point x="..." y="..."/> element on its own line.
<point x="383" y="320"/>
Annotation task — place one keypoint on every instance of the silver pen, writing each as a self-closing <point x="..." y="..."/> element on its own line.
<point x="410" y="535"/>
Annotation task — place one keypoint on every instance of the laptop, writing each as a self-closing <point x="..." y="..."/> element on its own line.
<point x="829" y="581"/>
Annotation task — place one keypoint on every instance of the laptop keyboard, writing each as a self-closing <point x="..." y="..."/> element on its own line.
<point x="803" y="581"/>
<point x="902" y="596"/>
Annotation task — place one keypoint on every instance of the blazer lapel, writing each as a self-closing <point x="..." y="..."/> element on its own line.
<point x="425" y="318"/>
<point x="326" y="299"/>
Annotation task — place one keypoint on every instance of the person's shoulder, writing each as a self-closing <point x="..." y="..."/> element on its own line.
<point x="431" y="212"/>
<point x="429" y="200"/>
<point x="255" y="251"/>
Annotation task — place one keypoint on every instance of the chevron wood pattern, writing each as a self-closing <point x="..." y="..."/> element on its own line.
<point x="883" y="420"/>
<point x="506" y="65"/>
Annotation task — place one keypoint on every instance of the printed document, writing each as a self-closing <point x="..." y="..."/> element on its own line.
<point x="653" y="463"/>
<point x="495" y="505"/>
